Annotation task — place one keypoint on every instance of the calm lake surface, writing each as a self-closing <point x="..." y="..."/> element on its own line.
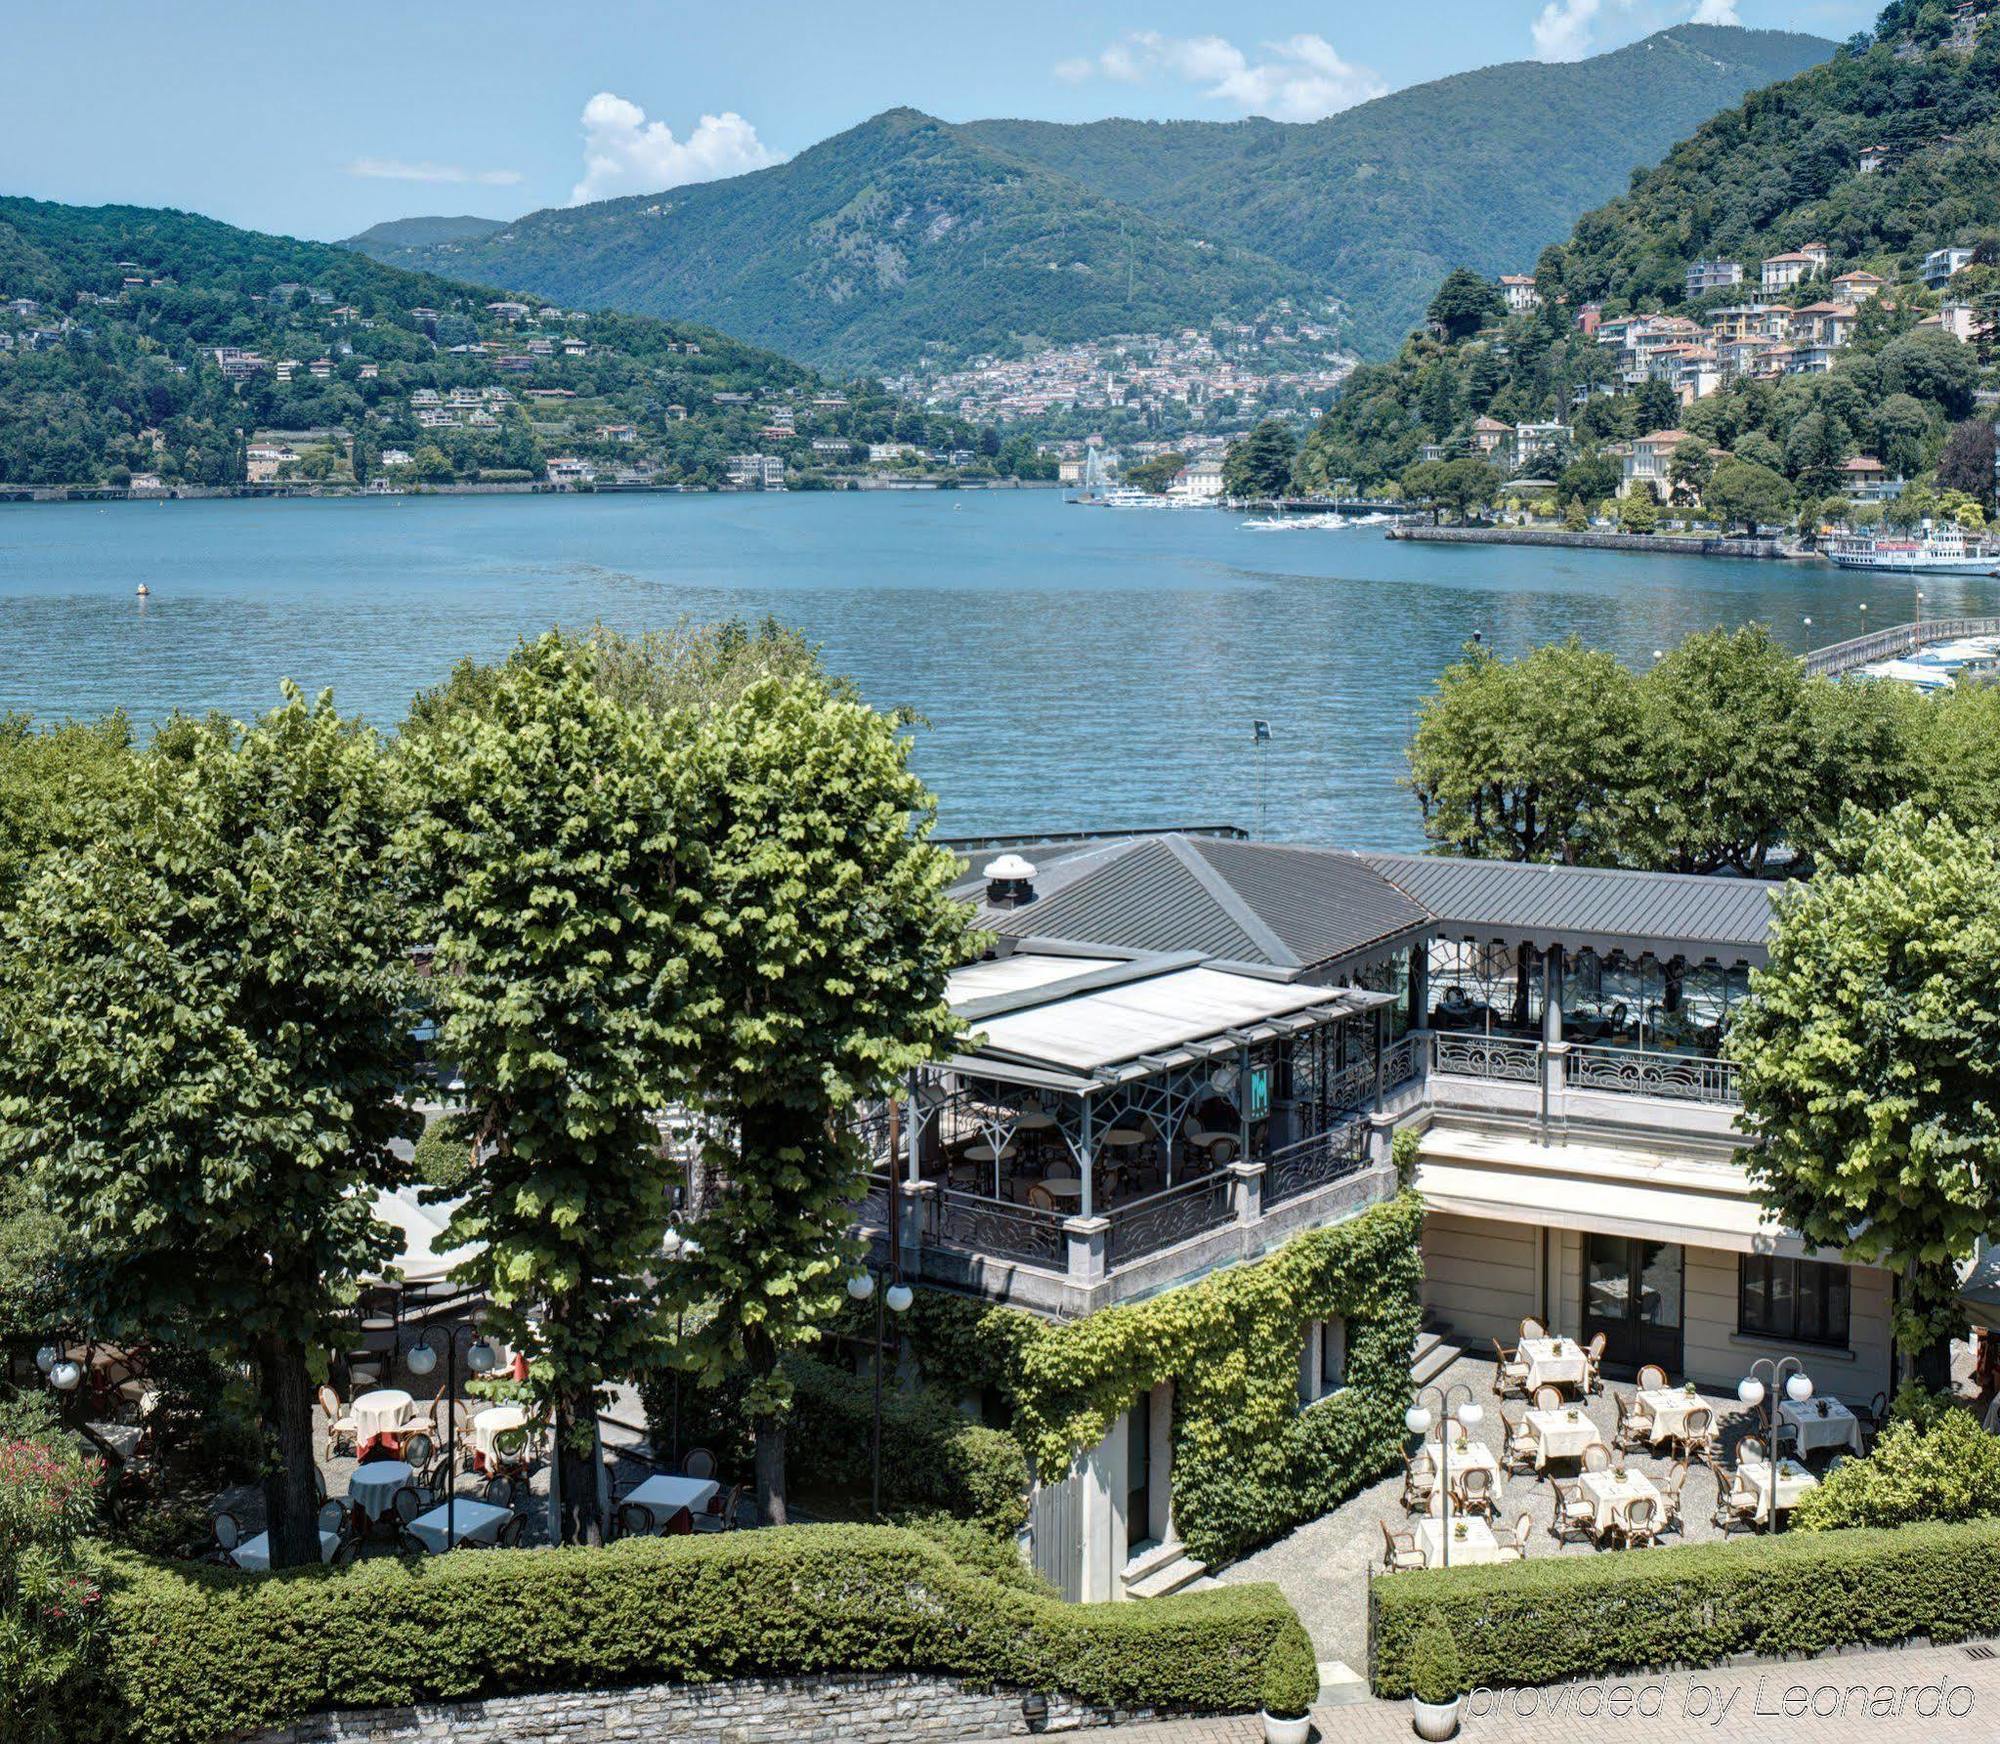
<point x="1077" y="667"/>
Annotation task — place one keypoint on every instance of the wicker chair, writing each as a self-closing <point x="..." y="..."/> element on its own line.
<point x="1593" y="1361"/>
<point x="1533" y="1328"/>
<point x="339" y="1426"/>
<point x="512" y="1533"/>
<point x="1671" y="1488"/>
<point x="1515" y="1537"/>
<point x="1510" y="1374"/>
<point x="1419" y="1478"/>
<point x="1399" y="1549"/>
<point x="636" y="1520"/>
<point x="1475" y="1491"/>
<point x="1635" y="1425"/>
<point x="426" y="1418"/>
<point x="1652" y="1378"/>
<point x="334" y="1518"/>
<point x="1640" y="1521"/>
<point x="228" y="1535"/>
<point x="1574" y="1514"/>
<point x="1548" y="1397"/>
<point x="700" y="1463"/>
<point x="1519" y="1445"/>
<point x="499" y="1490"/>
<point x="1697" y="1433"/>
<point x="720" y="1514"/>
<point x="1596" y="1457"/>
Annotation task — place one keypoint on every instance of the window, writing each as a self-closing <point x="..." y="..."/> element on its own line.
<point x="1332" y="1355"/>
<point x="1804" y="1301"/>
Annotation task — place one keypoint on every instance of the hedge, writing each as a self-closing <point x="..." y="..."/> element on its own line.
<point x="1549" y="1620"/>
<point x="194" y="1653"/>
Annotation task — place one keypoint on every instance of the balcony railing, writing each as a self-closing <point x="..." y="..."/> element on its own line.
<point x="1640" y="1072"/>
<point x="1507" y="1058"/>
<point x="1160" y="1220"/>
<point x="1315" y="1162"/>
<point x="977" y="1224"/>
<point x="1405" y="1059"/>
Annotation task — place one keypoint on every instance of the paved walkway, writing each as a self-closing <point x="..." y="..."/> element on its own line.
<point x="1921" y="1693"/>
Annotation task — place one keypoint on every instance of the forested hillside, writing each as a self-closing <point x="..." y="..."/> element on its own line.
<point x="898" y="237"/>
<point x="1378" y="202"/>
<point x="137" y="342"/>
<point x="1882" y="368"/>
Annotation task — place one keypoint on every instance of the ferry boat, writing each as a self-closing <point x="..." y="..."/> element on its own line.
<point x="1935" y="551"/>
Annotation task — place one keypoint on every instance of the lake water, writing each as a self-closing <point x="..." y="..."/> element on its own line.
<point x="1077" y="667"/>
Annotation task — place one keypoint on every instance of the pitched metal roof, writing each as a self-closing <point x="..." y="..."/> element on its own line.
<point x="1587" y="906"/>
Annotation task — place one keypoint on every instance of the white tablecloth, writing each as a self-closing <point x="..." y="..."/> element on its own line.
<point x="1793" y="1482"/>
<point x="1552" y="1362"/>
<point x="1610" y="1492"/>
<point x="255" y="1553"/>
<point x="1838" y="1428"/>
<point x="373" y="1487"/>
<point x="1668" y="1407"/>
<point x="666" y="1496"/>
<point x="495" y="1420"/>
<point x="379" y="1413"/>
<point x="478" y="1523"/>
<point x="1558" y="1436"/>
<point x="1477" y="1544"/>
<point x="1474" y="1455"/>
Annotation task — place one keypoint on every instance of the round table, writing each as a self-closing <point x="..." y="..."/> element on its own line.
<point x="378" y="1414"/>
<point x="373" y="1487"/>
<point x="1033" y="1122"/>
<point x="1062" y="1187"/>
<point x="983" y="1152"/>
<point x="494" y="1420"/>
<point x="1122" y="1136"/>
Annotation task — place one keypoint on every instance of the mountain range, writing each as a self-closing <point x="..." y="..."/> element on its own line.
<point x="908" y="236"/>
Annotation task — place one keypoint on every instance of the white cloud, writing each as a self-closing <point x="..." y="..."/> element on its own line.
<point x="1715" y="12"/>
<point x="1562" y="32"/>
<point x="1299" y="79"/>
<point x="624" y="153"/>
<point x="394" y="169"/>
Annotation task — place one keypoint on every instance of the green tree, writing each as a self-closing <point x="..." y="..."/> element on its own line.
<point x="554" y="851"/>
<point x="1638" y="513"/>
<point x="158" y="986"/>
<point x="1575" y="519"/>
<point x="1658" y="406"/>
<point x="1902" y="427"/>
<point x="430" y="465"/>
<point x="1528" y="759"/>
<point x="50" y="780"/>
<point x="1689" y="469"/>
<point x="1749" y="496"/>
<point x="51" y="1616"/>
<point x="833" y="937"/>
<point x="1154" y="475"/>
<point x="1261" y="464"/>
<point x="1933" y="366"/>
<point x="1967" y="461"/>
<point x="1869" y="1059"/>
<point x="1813" y="453"/>
<point x="1464" y="303"/>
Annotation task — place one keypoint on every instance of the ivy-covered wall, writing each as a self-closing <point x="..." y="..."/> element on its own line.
<point x="1248" y="1463"/>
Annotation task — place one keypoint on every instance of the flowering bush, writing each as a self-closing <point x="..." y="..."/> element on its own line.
<point x="1933" y="1466"/>
<point x="49" y="1606"/>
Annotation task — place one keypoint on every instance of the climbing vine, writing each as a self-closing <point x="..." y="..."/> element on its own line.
<point x="1248" y="1462"/>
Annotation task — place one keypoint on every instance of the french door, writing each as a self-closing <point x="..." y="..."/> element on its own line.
<point x="1632" y="1293"/>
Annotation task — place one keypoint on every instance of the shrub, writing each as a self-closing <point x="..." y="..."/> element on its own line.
<point x="1948" y="1469"/>
<point x="1291" y="1673"/>
<point x="1585" y="1617"/>
<point x="201" y="1652"/>
<point x="444" y="1155"/>
<point x="1437" y="1672"/>
<point x="49" y="1606"/>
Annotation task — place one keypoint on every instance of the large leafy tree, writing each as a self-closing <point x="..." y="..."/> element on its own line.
<point x="1464" y="303"/>
<point x="1869" y="1059"/>
<point x="1746" y="494"/>
<point x="552" y="849"/>
<point x="202" y="1037"/>
<point x="833" y="934"/>
<point x="1261" y="464"/>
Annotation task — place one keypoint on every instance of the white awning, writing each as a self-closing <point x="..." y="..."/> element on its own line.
<point x="1598" y="1188"/>
<point x="425" y="1258"/>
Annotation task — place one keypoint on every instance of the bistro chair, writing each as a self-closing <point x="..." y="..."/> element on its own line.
<point x="424" y="1419"/>
<point x="1639" y="1522"/>
<point x="1750" y="1447"/>
<point x="1519" y="1445"/>
<point x="1697" y="1433"/>
<point x="1399" y="1549"/>
<point x="680" y="1523"/>
<point x="499" y="1490"/>
<point x="510" y="1452"/>
<point x="1548" y="1397"/>
<point x="1736" y="1502"/>
<point x="1475" y="1491"/>
<point x="636" y="1520"/>
<point x="512" y="1533"/>
<point x="333" y="1517"/>
<point x="1514" y="1538"/>
<point x="228" y="1534"/>
<point x="1670" y="1488"/>
<point x="1596" y="1457"/>
<point x="1574" y="1513"/>
<point x="1874" y="1418"/>
<point x="700" y="1463"/>
<point x="409" y="1502"/>
<point x="1040" y="1198"/>
<point x="1593" y="1361"/>
<point x="339" y="1428"/>
<point x="1652" y="1378"/>
<point x="1635" y="1423"/>
<point x="1533" y="1328"/>
<point x="345" y="1552"/>
<point x="1419" y="1478"/>
<point x="721" y="1510"/>
<point x="319" y="1485"/>
<point x="1510" y="1374"/>
<point x="419" y="1449"/>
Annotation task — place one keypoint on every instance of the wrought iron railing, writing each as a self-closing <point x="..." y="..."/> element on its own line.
<point x="1640" y="1072"/>
<point x="1160" y="1220"/>
<point x="1509" y="1058"/>
<point x="1352" y="1086"/>
<point x="1405" y="1059"/>
<point x="871" y="1211"/>
<point x="1314" y="1162"/>
<point x="977" y="1224"/>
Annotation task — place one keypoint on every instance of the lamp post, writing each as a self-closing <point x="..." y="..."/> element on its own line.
<point x="1753" y="1391"/>
<point x="898" y="1297"/>
<point x="675" y="1247"/>
<point x="1418" y="1420"/>
<point x="421" y="1359"/>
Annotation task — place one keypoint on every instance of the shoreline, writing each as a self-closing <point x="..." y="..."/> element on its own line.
<point x="1659" y="544"/>
<point x="289" y="492"/>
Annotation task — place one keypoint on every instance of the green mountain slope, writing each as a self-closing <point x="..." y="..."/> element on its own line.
<point x="111" y="319"/>
<point x="897" y="236"/>
<point x="1781" y="170"/>
<point x="425" y="232"/>
<point x="1484" y="169"/>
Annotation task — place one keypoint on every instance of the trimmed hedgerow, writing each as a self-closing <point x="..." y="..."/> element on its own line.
<point x="1248" y="1463"/>
<point x="202" y="1653"/>
<point x="1545" y="1621"/>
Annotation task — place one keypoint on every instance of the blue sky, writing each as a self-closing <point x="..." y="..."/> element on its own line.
<point x="320" y="119"/>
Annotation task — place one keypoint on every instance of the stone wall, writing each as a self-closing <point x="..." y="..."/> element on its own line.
<point x="1659" y="544"/>
<point x="879" y="1708"/>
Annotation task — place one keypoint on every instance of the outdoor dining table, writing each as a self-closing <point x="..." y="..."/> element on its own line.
<point x="1793" y="1482"/>
<point x="667" y="1495"/>
<point x="1611" y="1492"/>
<point x="494" y="1420"/>
<point x="378" y="1416"/>
<point x="1838" y="1427"/>
<point x="373" y="1487"/>
<point x="1562" y="1434"/>
<point x="255" y="1553"/>
<point x="1668" y="1407"/>
<point x="1553" y="1362"/>
<point x="478" y="1523"/>
<point x="1123" y="1137"/>
<point x="1062" y="1187"/>
<point x="1465" y="1456"/>
<point x="1471" y="1540"/>
<point x="982" y="1152"/>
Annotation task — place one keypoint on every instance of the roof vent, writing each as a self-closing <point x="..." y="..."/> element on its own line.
<point x="1010" y="881"/>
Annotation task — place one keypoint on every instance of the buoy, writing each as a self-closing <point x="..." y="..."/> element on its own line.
<point x="145" y="592"/>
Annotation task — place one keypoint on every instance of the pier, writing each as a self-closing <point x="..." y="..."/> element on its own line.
<point x="1839" y="658"/>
